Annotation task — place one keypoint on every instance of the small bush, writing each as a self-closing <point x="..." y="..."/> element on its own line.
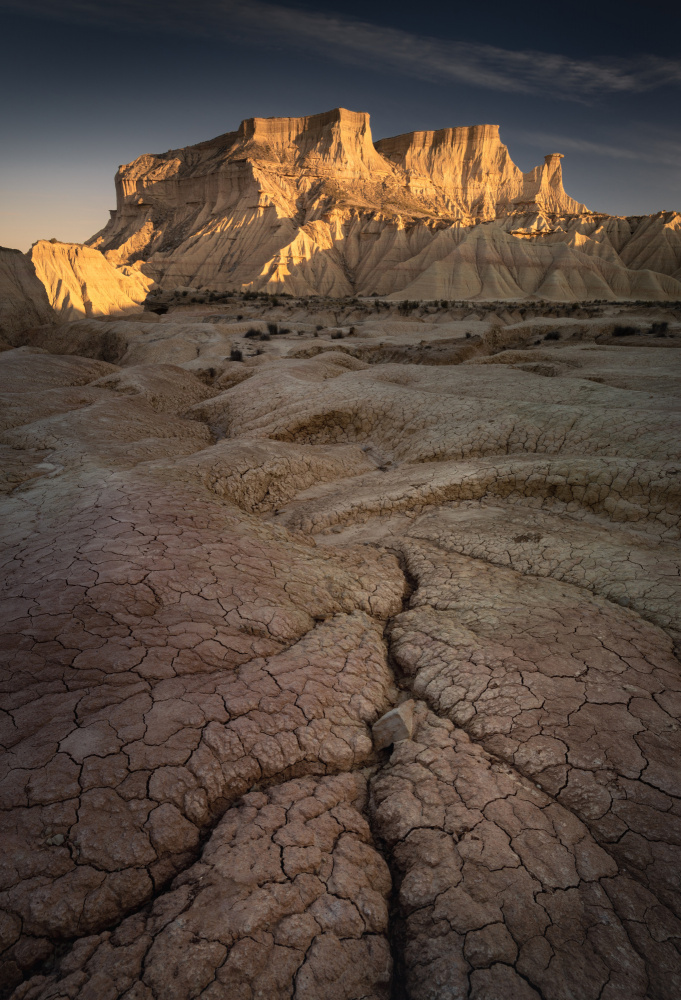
<point x="468" y="335"/>
<point x="319" y="327"/>
<point x="406" y="307"/>
<point x="283" y="330"/>
<point x="272" y="329"/>
<point x="265" y="336"/>
<point x="338" y="335"/>
<point x="240" y="316"/>
<point x="236" y="355"/>
<point x="624" y="331"/>
<point x="552" y="335"/>
<point x="659" y="329"/>
<point x="252" y="333"/>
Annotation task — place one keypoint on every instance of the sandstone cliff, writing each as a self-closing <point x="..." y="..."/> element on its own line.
<point x="313" y="206"/>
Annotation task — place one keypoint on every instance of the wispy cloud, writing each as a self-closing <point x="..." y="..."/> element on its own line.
<point x="346" y="39"/>
<point x="660" y="151"/>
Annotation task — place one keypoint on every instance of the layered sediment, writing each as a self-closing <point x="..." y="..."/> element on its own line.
<point x="312" y="206"/>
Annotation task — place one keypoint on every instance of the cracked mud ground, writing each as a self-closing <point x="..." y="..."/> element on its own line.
<point x="217" y="578"/>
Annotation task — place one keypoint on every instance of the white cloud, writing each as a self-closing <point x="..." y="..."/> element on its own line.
<point x="376" y="46"/>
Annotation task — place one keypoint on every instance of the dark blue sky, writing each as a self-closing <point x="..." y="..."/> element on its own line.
<point x="89" y="84"/>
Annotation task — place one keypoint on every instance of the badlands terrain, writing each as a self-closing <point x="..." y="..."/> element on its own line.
<point x="312" y="206"/>
<point x="250" y="509"/>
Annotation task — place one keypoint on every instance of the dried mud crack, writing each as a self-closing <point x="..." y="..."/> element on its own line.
<point x="200" y="628"/>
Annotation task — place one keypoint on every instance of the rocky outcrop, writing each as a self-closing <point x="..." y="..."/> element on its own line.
<point x="80" y="282"/>
<point x="313" y="206"/>
<point x="23" y="300"/>
<point x="468" y="172"/>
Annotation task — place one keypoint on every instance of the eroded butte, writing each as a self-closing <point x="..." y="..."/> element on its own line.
<point x="238" y="529"/>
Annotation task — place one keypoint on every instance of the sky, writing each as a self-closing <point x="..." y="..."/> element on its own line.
<point x="91" y="84"/>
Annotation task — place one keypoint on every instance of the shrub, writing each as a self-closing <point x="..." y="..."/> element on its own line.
<point x="406" y="307"/>
<point x="273" y="329"/>
<point x="265" y="336"/>
<point x="252" y="333"/>
<point x="236" y="355"/>
<point x="659" y="329"/>
<point x="552" y="335"/>
<point x="337" y="335"/>
<point x="624" y="331"/>
<point x="468" y="335"/>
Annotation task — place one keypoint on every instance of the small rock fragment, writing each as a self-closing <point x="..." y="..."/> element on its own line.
<point x="395" y="725"/>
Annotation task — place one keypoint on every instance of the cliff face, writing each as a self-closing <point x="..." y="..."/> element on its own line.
<point x="469" y="172"/>
<point x="23" y="300"/>
<point x="313" y="206"/>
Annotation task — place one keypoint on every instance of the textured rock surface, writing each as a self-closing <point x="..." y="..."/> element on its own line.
<point x="312" y="206"/>
<point x="218" y="576"/>
<point x="289" y="896"/>
<point x="79" y="281"/>
<point x="23" y="299"/>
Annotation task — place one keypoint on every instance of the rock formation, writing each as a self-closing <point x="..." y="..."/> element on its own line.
<point x="346" y="670"/>
<point x="340" y="636"/>
<point x="23" y="299"/>
<point x="81" y="282"/>
<point x="312" y="206"/>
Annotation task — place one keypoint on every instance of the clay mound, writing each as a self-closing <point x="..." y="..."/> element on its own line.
<point x="79" y="281"/>
<point x="23" y="300"/>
